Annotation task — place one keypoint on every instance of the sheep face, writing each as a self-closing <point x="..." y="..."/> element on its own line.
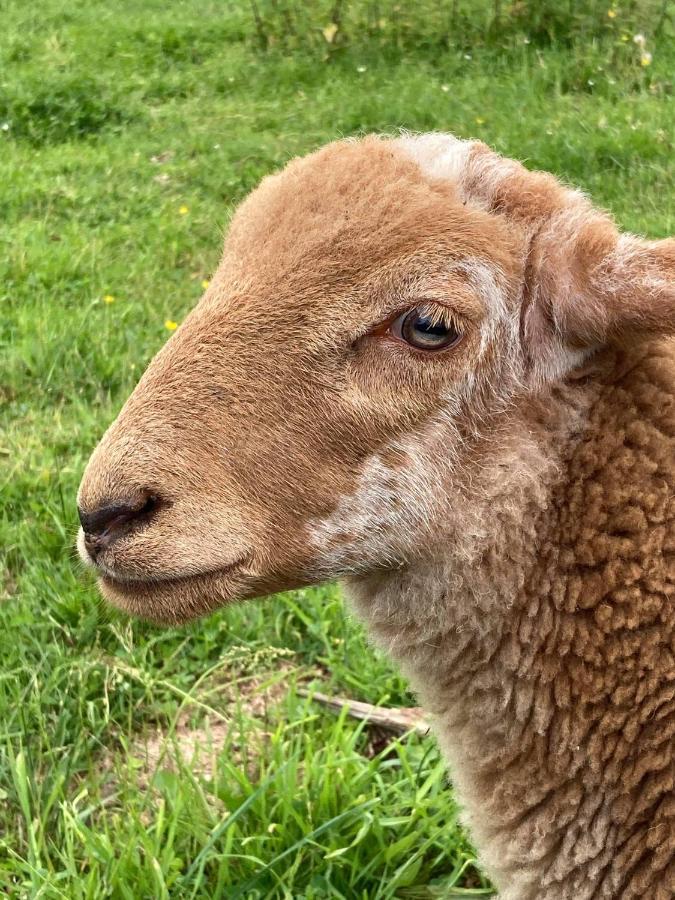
<point x="316" y="414"/>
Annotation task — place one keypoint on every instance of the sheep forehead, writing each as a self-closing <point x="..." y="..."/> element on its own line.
<point x="353" y="208"/>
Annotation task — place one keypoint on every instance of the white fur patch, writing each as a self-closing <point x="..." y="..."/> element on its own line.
<point x="488" y="282"/>
<point x="446" y="157"/>
<point x="438" y="155"/>
<point x="385" y="520"/>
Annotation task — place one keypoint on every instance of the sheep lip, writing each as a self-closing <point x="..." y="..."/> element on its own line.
<point x="131" y="585"/>
<point x="171" y="601"/>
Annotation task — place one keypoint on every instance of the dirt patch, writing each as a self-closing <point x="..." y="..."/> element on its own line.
<point x="198" y="745"/>
<point x="8" y="584"/>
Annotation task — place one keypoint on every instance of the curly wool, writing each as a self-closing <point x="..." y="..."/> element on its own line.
<point x="549" y="664"/>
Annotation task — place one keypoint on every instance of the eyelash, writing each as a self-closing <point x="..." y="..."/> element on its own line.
<point x="435" y="312"/>
<point x="434" y="317"/>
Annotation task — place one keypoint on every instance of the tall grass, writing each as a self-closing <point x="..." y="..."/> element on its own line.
<point x="327" y="26"/>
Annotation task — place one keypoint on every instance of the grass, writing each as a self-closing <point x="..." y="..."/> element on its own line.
<point x="128" y="132"/>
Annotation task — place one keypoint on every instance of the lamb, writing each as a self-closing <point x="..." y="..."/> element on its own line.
<point x="446" y="380"/>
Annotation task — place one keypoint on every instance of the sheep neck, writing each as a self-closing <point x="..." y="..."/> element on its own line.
<point x="542" y="651"/>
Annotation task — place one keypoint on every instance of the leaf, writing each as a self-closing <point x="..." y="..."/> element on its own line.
<point x="329" y="32"/>
<point x="334" y="853"/>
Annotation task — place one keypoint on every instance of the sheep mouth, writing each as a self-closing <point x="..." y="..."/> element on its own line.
<point x="173" y="600"/>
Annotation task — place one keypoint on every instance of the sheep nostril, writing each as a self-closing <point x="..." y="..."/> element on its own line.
<point x="109" y="521"/>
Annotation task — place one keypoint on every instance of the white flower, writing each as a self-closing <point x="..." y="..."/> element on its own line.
<point x="639" y="39"/>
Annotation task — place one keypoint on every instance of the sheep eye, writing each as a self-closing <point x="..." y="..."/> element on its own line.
<point x="424" y="329"/>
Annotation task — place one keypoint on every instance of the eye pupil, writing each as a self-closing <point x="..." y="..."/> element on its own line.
<point x="422" y="331"/>
<point x="425" y="324"/>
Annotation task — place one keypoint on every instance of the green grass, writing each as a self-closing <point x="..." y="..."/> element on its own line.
<point x="299" y="803"/>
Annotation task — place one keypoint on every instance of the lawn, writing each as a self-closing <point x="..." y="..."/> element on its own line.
<point x="145" y="763"/>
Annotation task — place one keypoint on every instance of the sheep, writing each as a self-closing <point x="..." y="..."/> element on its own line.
<point x="445" y="380"/>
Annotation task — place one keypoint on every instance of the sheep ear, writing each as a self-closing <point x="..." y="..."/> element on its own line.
<point x="595" y="285"/>
<point x="585" y="284"/>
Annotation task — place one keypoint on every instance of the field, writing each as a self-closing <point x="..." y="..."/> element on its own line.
<point x="145" y="763"/>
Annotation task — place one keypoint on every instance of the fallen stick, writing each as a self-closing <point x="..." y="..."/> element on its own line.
<point x="399" y="720"/>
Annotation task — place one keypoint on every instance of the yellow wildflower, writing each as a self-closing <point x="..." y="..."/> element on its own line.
<point x="183" y="210"/>
<point x="611" y="14"/>
<point x="108" y="298"/>
<point x="171" y="325"/>
<point x="205" y="283"/>
<point x="480" y="120"/>
<point x="646" y="58"/>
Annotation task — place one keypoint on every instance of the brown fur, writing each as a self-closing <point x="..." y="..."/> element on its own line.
<point x="502" y="512"/>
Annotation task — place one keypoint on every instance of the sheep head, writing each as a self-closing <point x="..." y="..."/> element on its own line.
<point x="378" y="305"/>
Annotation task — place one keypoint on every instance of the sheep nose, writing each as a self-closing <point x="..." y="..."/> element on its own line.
<point x="110" y="521"/>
